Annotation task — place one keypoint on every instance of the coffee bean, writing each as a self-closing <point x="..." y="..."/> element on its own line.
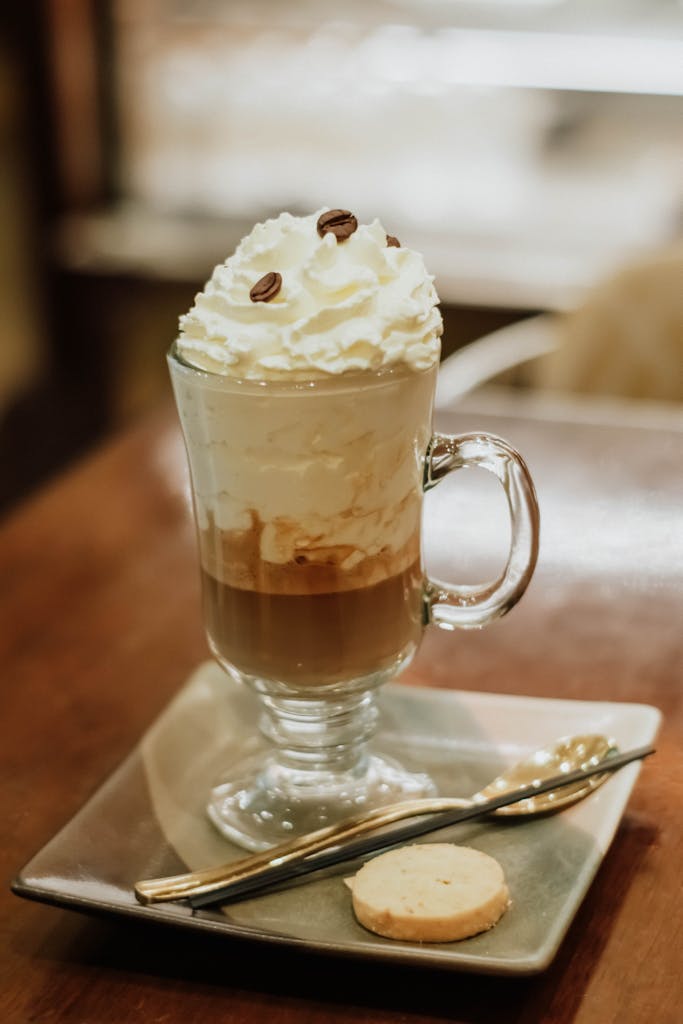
<point x="266" y="288"/>
<point x="341" y="223"/>
<point x="393" y="240"/>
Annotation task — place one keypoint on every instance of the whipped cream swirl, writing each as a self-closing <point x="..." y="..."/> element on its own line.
<point x="343" y="306"/>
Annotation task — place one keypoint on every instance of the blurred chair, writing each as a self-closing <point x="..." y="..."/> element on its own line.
<point x="626" y="338"/>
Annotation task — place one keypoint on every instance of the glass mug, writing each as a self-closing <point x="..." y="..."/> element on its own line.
<point x="308" y="502"/>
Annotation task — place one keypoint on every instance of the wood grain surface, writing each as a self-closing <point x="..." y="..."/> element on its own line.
<point x="100" y="626"/>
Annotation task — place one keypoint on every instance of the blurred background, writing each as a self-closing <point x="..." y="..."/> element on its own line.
<point x="532" y="149"/>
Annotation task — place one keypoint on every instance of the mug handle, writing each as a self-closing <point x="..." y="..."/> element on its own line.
<point x="471" y="607"/>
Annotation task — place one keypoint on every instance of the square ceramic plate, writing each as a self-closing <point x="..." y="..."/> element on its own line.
<point x="148" y="819"/>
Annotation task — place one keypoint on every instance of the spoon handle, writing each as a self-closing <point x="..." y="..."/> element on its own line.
<point x="194" y="883"/>
<point x="269" y="868"/>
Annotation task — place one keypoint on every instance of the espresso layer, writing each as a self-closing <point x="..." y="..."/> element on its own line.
<point x="316" y="638"/>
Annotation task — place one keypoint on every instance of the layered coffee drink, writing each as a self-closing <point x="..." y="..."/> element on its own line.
<point x="306" y="437"/>
<point x="304" y="376"/>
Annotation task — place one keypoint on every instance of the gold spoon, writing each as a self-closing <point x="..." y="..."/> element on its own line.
<point x="561" y="757"/>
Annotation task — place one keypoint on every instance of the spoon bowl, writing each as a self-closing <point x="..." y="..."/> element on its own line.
<point x="565" y="755"/>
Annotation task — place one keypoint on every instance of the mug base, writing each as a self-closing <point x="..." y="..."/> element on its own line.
<point x="261" y="805"/>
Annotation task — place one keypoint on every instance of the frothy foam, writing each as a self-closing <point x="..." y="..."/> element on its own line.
<point x="343" y="306"/>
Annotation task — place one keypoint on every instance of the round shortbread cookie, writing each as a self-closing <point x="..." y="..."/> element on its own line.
<point x="431" y="892"/>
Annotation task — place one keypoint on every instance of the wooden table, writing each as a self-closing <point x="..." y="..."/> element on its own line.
<point x="99" y="608"/>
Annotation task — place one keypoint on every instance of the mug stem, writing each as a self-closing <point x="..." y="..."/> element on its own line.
<point x="317" y="772"/>
<point x="314" y="737"/>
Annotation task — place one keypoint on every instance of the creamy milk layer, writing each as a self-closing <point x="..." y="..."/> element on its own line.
<point x="343" y="306"/>
<point x="328" y="476"/>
